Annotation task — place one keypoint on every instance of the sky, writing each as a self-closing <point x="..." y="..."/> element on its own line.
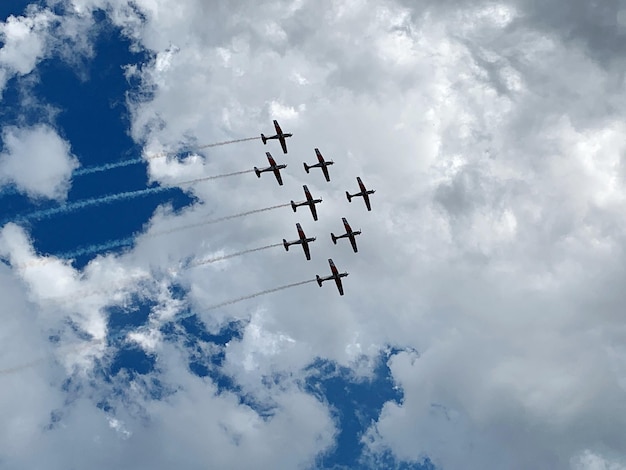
<point x="152" y="319"/>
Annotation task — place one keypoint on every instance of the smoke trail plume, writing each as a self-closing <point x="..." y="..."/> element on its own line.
<point x="246" y="297"/>
<point x="63" y="350"/>
<point x="74" y="206"/>
<point x="179" y="317"/>
<point x="112" y="244"/>
<point x="97" y="248"/>
<point x="214" y="221"/>
<point x="98" y="201"/>
<point x="207" y="178"/>
<point x="106" y="167"/>
<point x="217" y="144"/>
<point x="201" y="262"/>
<point x="227" y="142"/>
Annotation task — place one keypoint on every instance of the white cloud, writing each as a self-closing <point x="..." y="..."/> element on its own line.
<point x="493" y="247"/>
<point x="37" y="160"/>
<point x="24" y="41"/>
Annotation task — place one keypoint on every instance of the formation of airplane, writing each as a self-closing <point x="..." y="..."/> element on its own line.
<point x="321" y="164"/>
<point x="280" y="135"/>
<point x="273" y="167"/>
<point x="350" y="234"/>
<point x="309" y="202"/>
<point x="335" y="276"/>
<point x="364" y="193"/>
<point x="303" y="240"/>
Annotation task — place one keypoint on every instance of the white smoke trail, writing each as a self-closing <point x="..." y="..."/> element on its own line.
<point x="176" y="318"/>
<point x="227" y="142"/>
<point x="214" y="221"/>
<point x="216" y="144"/>
<point x="133" y="161"/>
<point x="246" y="297"/>
<point x="201" y="262"/>
<point x="207" y="178"/>
<point x="75" y="206"/>
<point x="110" y="245"/>
<point x="106" y="167"/>
<point x="84" y="171"/>
<point x="98" y="201"/>
<point x="97" y="248"/>
<point x="62" y="351"/>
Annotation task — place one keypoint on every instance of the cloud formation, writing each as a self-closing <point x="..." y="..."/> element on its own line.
<point x="37" y="161"/>
<point x="492" y="260"/>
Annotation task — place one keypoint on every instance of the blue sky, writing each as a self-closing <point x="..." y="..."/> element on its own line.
<point x="494" y="137"/>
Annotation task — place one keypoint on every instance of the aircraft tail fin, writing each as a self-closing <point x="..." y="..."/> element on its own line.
<point x="319" y="280"/>
<point x="348" y="196"/>
<point x="258" y="173"/>
<point x="334" y="238"/>
<point x="264" y="139"/>
<point x="286" y="245"/>
<point x="306" y="167"/>
<point x="293" y="206"/>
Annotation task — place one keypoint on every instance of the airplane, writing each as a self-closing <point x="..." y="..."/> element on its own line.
<point x="322" y="164"/>
<point x="364" y="192"/>
<point x="304" y="241"/>
<point x="336" y="276"/>
<point x="273" y="167"/>
<point x="280" y="135"/>
<point x="309" y="202"/>
<point x="349" y="234"/>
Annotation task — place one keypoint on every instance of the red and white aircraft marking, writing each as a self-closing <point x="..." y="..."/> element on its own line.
<point x="304" y="241"/>
<point x="336" y="276"/>
<point x="280" y="135"/>
<point x="364" y="192"/>
<point x="309" y="202"/>
<point x="350" y="234"/>
<point x="273" y="167"/>
<point x="323" y="164"/>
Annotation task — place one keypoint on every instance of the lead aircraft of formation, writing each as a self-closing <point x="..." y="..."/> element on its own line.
<point x="280" y="135"/>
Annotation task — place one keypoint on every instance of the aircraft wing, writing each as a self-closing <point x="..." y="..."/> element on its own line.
<point x="319" y="156"/>
<point x="346" y="225"/>
<point x="277" y="127"/>
<point x="366" y="198"/>
<point x="307" y="193"/>
<point x="313" y="211"/>
<point x="353" y="243"/>
<point x="339" y="285"/>
<point x="361" y="185"/>
<point x="270" y="158"/>
<point x="333" y="268"/>
<point x="283" y="143"/>
<point x="278" y="177"/>
<point x="307" y="252"/>
<point x="325" y="171"/>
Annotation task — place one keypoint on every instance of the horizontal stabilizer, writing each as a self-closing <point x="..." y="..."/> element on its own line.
<point x="332" y="235"/>
<point x="264" y="139"/>
<point x="319" y="280"/>
<point x="286" y="245"/>
<point x="258" y="173"/>
<point x="306" y="167"/>
<point x="348" y="196"/>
